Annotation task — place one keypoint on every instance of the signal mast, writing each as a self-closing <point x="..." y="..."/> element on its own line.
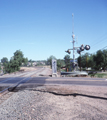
<point x="79" y="49"/>
<point x="73" y="37"/>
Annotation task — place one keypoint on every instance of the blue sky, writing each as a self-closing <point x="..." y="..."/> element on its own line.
<point x="40" y="28"/>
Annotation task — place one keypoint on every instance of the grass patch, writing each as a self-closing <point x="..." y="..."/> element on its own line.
<point x="99" y="75"/>
<point x="63" y="70"/>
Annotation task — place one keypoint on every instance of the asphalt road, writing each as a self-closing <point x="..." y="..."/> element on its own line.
<point x="29" y="81"/>
<point x="17" y="79"/>
<point x="35" y="81"/>
<point x="66" y="81"/>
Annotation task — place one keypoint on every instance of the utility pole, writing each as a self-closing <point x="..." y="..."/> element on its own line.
<point x="80" y="61"/>
<point x="73" y="36"/>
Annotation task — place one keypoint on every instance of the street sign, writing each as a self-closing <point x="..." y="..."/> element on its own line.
<point x="54" y="66"/>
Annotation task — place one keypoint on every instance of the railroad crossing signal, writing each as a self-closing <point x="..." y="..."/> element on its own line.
<point x="82" y="48"/>
<point x="78" y="51"/>
<point x="68" y="51"/>
<point x="87" y="47"/>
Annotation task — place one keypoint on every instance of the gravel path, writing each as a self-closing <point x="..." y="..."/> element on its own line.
<point x="36" y="105"/>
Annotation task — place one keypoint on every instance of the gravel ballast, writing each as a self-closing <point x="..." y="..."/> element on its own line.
<point x="41" y="104"/>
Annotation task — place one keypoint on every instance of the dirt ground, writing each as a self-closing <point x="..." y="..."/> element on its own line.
<point x="75" y="90"/>
<point x="56" y="102"/>
<point x="76" y="102"/>
<point x="28" y="68"/>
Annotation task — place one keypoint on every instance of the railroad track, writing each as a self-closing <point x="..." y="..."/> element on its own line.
<point x="24" y="77"/>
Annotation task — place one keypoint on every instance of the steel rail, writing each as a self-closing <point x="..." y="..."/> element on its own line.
<point x="12" y="87"/>
<point x="23" y="74"/>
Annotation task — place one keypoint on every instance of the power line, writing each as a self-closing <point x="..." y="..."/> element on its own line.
<point x="99" y="49"/>
<point x="104" y="47"/>
<point x="99" y="40"/>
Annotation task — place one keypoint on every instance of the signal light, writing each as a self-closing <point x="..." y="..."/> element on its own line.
<point x="87" y="47"/>
<point x="78" y="51"/>
<point x="74" y="64"/>
<point x="82" y="48"/>
<point x="68" y="51"/>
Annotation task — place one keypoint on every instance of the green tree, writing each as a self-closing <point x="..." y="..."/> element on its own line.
<point x="86" y="60"/>
<point x="18" y="56"/>
<point x="5" y="67"/>
<point x="67" y="61"/>
<point x="104" y="52"/>
<point x="25" y="61"/>
<point x="83" y="60"/>
<point x="49" y="60"/>
<point x="60" y="63"/>
<point x="4" y="60"/>
<point x="91" y="62"/>
<point x="100" y="59"/>
<point x="0" y="66"/>
<point x="14" y="63"/>
<point x="31" y="63"/>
